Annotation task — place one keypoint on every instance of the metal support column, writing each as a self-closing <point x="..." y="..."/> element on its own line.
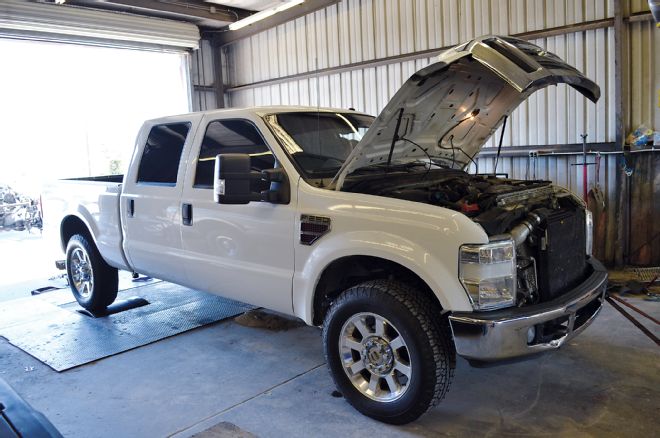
<point x="623" y="206"/>
<point x="218" y="83"/>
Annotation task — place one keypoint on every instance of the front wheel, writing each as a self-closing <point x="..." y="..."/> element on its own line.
<point x="389" y="350"/>
<point x="93" y="282"/>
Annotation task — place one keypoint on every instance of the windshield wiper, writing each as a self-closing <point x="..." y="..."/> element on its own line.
<point x="384" y="166"/>
<point x="323" y="171"/>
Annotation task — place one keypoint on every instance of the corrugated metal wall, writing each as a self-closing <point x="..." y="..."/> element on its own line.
<point x="643" y="70"/>
<point x="202" y="76"/>
<point x="355" y="31"/>
<point x="360" y="30"/>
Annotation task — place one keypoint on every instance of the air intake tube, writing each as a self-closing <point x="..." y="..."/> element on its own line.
<point x="520" y="232"/>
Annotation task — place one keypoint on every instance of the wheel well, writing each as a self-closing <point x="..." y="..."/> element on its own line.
<point x="349" y="271"/>
<point x="72" y="225"/>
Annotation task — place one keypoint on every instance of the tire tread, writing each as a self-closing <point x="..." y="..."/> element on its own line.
<point x="106" y="280"/>
<point x="436" y="330"/>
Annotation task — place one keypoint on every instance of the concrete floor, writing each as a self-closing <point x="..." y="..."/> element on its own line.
<point x="26" y="262"/>
<point x="275" y="383"/>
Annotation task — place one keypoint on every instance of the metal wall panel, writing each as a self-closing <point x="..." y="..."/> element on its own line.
<point x="358" y="30"/>
<point x="644" y="75"/>
<point x="639" y="6"/>
<point x="201" y="75"/>
<point x="555" y="115"/>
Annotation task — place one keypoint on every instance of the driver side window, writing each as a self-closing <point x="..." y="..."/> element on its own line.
<point x="232" y="137"/>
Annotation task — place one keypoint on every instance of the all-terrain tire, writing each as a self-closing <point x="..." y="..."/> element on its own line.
<point x="93" y="282"/>
<point x="429" y="350"/>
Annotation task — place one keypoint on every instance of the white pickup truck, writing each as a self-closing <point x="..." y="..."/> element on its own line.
<point x="369" y="227"/>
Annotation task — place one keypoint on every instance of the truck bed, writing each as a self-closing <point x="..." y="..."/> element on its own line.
<point x="117" y="179"/>
<point x="94" y="199"/>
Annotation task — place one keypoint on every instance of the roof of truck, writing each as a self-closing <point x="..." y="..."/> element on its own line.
<point x="257" y="110"/>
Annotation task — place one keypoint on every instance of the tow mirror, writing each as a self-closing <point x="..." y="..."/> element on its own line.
<point x="232" y="177"/>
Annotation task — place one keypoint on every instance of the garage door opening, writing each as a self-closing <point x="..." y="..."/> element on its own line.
<point x="67" y="111"/>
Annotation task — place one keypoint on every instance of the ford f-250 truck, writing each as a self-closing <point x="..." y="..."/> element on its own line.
<point x="370" y="228"/>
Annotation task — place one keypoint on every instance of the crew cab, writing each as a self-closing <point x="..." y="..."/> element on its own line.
<point x="371" y="228"/>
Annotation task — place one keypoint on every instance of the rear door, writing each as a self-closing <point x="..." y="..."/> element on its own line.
<point x="241" y="251"/>
<point x="150" y="202"/>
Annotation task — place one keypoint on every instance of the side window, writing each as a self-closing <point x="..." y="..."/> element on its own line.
<point x="162" y="153"/>
<point x="232" y="137"/>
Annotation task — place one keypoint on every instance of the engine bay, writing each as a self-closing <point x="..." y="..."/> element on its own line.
<point x="496" y="204"/>
<point x="547" y="223"/>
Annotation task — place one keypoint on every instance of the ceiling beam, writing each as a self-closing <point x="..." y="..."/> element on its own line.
<point x="194" y="9"/>
<point x="226" y="36"/>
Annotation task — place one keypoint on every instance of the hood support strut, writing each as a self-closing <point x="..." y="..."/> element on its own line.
<point x="395" y="137"/>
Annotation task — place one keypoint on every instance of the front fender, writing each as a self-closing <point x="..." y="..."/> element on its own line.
<point x="422" y="238"/>
<point x="389" y="247"/>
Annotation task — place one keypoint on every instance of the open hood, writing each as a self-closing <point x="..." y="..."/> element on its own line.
<point x="450" y="108"/>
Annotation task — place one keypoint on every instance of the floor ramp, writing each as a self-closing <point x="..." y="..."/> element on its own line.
<point x="52" y="328"/>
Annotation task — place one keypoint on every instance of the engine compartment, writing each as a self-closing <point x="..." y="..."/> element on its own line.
<point x="546" y="223"/>
<point x="497" y="204"/>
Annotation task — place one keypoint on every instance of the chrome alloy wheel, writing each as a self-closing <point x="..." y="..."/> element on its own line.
<point x="375" y="357"/>
<point x="81" y="272"/>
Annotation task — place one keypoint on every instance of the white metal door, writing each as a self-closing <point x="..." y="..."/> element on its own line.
<point x="151" y="201"/>
<point x="244" y="252"/>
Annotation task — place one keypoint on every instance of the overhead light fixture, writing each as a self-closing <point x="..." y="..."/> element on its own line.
<point x="264" y="14"/>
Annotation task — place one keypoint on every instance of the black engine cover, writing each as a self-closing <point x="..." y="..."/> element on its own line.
<point x="560" y="251"/>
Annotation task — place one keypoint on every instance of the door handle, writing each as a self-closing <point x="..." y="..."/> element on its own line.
<point x="187" y="214"/>
<point x="131" y="207"/>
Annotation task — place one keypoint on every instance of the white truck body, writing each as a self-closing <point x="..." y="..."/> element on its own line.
<point x="178" y="228"/>
<point x="253" y="247"/>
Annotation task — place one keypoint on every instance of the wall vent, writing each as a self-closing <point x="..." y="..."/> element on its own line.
<point x="312" y="228"/>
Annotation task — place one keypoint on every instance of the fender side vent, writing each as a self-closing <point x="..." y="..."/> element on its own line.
<point x="312" y="228"/>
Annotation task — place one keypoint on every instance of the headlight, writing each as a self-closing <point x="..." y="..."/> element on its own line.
<point x="589" y="229"/>
<point x="488" y="274"/>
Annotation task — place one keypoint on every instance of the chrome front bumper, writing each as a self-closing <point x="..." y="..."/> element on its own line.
<point x="505" y="334"/>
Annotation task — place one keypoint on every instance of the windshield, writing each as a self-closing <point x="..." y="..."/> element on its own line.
<point x="319" y="142"/>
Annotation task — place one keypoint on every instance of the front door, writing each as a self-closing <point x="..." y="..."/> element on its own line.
<point x="244" y="252"/>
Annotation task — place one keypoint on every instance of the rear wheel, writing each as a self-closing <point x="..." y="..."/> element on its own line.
<point x="389" y="350"/>
<point x="93" y="282"/>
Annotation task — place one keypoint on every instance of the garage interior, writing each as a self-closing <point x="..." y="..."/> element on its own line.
<point x="81" y="76"/>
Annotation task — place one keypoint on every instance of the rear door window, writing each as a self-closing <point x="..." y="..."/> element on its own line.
<point x="162" y="154"/>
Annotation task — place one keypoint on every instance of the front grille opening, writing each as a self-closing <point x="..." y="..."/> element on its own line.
<point x="560" y="252"/>
<point x="559" y="327"/>
<point x="551" y="330"/>
<point x="586" y="313"/>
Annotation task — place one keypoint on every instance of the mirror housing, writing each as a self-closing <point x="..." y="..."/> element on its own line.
<point x="232" y="177"/>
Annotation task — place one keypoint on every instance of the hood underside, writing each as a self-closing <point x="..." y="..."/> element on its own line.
<point x="449" y="109"/>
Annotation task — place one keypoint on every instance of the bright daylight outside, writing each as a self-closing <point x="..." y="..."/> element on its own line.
<point x="110" y="92"/>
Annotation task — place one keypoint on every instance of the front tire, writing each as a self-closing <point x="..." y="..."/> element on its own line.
<point x="389" y="350"/>
<point x="93" y="282"/>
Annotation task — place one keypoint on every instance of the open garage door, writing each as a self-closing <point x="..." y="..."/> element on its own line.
<point x="76" y="85"/>
<point x="69" y="24"/>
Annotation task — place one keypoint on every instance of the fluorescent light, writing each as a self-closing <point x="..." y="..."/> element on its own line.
<point x="264" y="14"/>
